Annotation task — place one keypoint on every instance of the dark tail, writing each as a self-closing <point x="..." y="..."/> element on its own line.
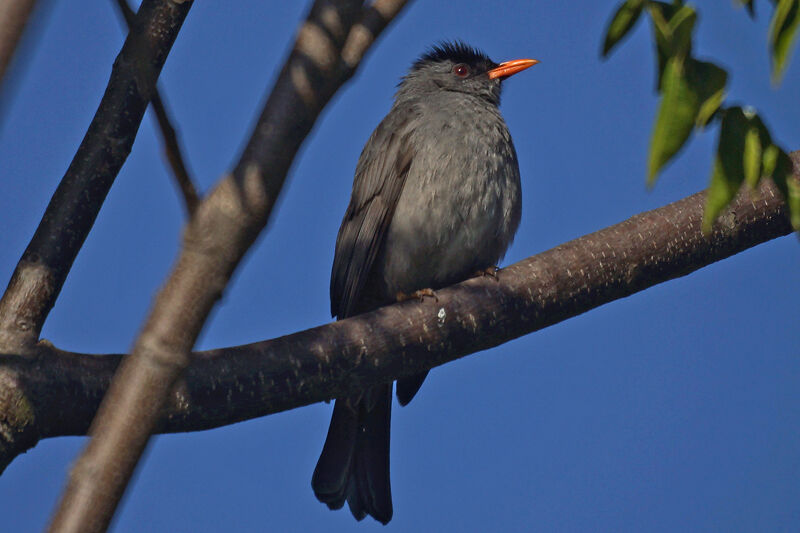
<point x="354" y="464"/>
<point x="408" y="387"/>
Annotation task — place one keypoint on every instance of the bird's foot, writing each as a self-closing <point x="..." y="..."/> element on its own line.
<point x="487" y="272"/>
<point x="419" y="295"/>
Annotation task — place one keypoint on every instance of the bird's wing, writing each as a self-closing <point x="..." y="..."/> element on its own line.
<point x="380" y="175"/>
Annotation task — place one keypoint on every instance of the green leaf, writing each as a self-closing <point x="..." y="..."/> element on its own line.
<point x="770" y="159"/>
<point x="782" y="33"/>
<point x="718" y="196"/>
<point x="675" y="118"/>
<point x="621" y="23"/>
<point x="708" y="81"/>
<point x="673" y="25"/>
<point x="745" y="153"/>
<point x="692" y="92"/>
<point x="752" y="156"/>
<point x="793" y="201"/>
<point x="789" y="185"/>
<point x="681" y="26"/>
<point x="760" y="155"/>
<point x="728" y="173"/>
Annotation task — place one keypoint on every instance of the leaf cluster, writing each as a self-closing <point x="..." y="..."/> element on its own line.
<point x="693" y="97"/>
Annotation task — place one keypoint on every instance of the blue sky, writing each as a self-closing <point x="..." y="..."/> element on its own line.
<point x="677" y="408"/>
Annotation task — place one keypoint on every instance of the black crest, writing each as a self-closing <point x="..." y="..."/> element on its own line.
<point x="456" y="51"/>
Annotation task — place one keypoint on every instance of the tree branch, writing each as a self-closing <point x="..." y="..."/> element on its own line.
<point x="224" y="227"/>
<point x="172" y="148"/>
<point x="57" y="392"/>
<point x="43" y="268"/>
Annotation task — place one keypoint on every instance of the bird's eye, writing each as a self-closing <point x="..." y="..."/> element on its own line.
<point x="461" y="70"/>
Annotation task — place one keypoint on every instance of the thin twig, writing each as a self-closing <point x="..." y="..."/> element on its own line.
<point x="172" y="152"/>
<point x="57" y="393"/>
<point x="172" y="149"/>
<point x="225" y="225"/>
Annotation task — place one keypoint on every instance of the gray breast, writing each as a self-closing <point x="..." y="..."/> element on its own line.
<point x="461" y="203"/>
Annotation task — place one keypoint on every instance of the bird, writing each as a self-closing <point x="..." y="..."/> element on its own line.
<point x="436" y="199"/>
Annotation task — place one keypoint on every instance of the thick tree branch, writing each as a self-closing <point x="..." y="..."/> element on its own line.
<point x="43" y="268"/>
<point x="172" y="148"/>
<point x="223" y="228"/>
<point x="57" y="392"/>
<point x="14" y="16"/>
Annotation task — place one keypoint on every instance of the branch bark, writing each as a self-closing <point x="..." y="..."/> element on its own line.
<point x="223" y="228"/>
<point x="70" y="215"/>
<point x="57" y="392"/>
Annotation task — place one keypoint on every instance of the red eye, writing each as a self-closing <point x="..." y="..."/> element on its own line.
<point x="461" y="70"/>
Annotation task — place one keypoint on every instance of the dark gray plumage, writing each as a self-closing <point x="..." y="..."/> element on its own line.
<point x="436" y="198"/>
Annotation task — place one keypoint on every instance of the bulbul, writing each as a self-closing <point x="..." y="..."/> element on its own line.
<point x="436" y="199"/>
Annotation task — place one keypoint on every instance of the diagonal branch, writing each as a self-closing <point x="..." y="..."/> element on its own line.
<point x="327" y="51"/>
<point x="223" y="228"/>
<point x="172" y="148"/>
<point x="43" y="268"/>
<point x="58" y="392"/>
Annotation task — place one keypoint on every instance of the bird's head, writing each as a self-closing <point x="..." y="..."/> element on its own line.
<point x="458" y="67"/>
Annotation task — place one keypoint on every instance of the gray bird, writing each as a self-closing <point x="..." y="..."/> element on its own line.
<point x="436" y="199"/>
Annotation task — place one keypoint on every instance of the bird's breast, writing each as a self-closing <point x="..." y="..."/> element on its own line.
<point x="459" y="208"/>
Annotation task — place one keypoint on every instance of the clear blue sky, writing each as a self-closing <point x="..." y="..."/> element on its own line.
<point x="677" y="409"/>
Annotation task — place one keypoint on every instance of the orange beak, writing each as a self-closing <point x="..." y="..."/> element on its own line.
<point x="509" y="68"/>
